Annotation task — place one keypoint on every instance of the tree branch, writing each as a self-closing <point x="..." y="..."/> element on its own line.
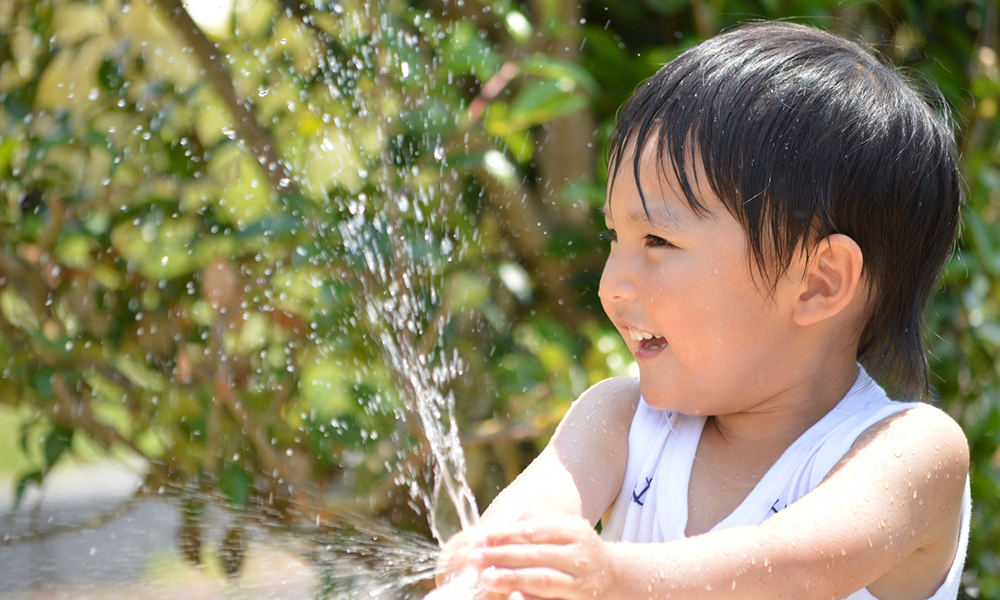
<point x="249" y="129"/>
<point x="77" y="415"/>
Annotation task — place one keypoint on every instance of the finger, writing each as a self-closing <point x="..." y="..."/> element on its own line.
<point x="453" y="558"/>
<point x="536" y="531"/>
<point x="519" y="556"/>
<point x="538" y="582"/>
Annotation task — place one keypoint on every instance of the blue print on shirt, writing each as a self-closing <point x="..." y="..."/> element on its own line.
<point x="638" y="499"/>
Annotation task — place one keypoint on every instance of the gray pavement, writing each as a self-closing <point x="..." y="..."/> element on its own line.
<point x="132" y="556"/>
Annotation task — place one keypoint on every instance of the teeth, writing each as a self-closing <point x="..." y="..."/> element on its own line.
<point x="638" y="335"/>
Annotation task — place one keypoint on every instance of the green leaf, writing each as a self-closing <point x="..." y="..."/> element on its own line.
<point x="110" y="75"/>
<point x="42" y="382"/>
<point x="566" y="242"/>
<point x="34" y="477"/>
<point x="980" y="236"/>
<point x="15" y="106"/>
<point x="7" y="148"/>
<point x="584" y="191"/>
<point x="466" y="52"/>
<point x="273" y="228"/>
<point x="235" y="484"/>
<point x="57" y="442"/>
<point x="17" y="310"/>
<point x="543" y="101"/>
<point x="548" y="67"/>
<point x="520" y="143"/>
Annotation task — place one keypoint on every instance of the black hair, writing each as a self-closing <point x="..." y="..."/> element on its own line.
<point x="802" y="134"/>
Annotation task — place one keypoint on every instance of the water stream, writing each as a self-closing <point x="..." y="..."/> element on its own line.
<point x="395" y="305"/>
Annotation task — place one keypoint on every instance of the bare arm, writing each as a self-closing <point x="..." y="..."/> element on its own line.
<point x="887" y="517"/>
<point x="581" y="470"/>
<point x="578" y="474"/>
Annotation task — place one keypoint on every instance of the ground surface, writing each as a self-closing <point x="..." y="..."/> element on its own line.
<point x="133" y="556"/>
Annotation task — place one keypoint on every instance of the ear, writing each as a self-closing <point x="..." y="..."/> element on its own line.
<point x="831" y="280"/>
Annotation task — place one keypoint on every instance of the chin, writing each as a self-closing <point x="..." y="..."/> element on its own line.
<point x="659" y="400"/>
<point x="655" y="392"/>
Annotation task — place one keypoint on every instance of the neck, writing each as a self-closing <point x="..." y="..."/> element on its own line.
<point x="796" y="407"/>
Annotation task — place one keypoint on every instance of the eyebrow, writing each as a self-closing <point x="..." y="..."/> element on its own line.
<point x="660" y="217"/>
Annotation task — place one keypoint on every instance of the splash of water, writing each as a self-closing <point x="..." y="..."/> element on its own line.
<point x="401" y="275"/>
<point x="373" y="560"/>
<point x="395" y="311"/>
<point x="395" y="317"/>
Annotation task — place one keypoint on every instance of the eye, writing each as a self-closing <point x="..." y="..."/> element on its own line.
<point x="657" y="242"/>
<point x="608" y="235"/>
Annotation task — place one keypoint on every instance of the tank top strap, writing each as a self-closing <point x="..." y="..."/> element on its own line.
<point x="810" y="458"/>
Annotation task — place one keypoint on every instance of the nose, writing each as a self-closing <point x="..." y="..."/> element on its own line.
<point x="617" y="279"/>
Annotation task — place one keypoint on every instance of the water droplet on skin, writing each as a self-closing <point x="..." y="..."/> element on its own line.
<point x="897" y="452"/>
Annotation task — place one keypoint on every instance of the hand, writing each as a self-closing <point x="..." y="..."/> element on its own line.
<point x="545" y="556"/>
<point x="454" y="557"/>
<point x="454" y="560"/>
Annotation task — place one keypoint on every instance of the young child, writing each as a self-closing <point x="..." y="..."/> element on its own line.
<point x="780" y="208"/>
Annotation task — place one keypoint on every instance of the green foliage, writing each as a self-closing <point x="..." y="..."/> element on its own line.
<point x="174" y="282"/>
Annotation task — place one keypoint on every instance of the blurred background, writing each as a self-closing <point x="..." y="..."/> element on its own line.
<point x="215" y="214"/>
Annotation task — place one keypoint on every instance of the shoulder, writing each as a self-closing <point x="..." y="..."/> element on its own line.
<point x="926" y="432"/>
<point x="600" y="419"/>
<point x="923" y="452"/>
<point x="613" y="399"/>
<point x="591" y="444"/>
<point x="920" y="439"/>
<point x="616" y="390"/>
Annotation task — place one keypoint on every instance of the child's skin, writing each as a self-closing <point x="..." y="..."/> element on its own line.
<point x="764" y="367"/>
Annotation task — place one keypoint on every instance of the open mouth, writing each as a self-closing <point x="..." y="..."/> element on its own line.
<point x="647" y="340"/>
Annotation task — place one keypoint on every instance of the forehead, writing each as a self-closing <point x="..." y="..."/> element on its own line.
<point x="652" y="192"/>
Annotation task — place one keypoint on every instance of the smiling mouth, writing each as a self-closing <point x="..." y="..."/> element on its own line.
<point x="647" y="340"/>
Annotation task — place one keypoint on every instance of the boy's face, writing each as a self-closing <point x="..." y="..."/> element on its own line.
<point x="679" y="288"/>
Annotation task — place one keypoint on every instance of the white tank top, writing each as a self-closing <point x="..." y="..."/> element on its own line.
<point x="652" y="504"/>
